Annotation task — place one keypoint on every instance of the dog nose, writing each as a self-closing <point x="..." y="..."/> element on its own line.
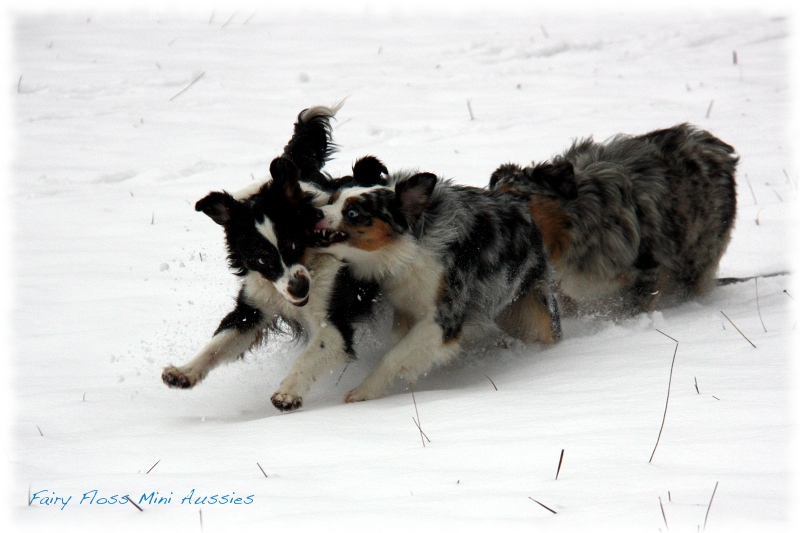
<point x="298" y="287"/>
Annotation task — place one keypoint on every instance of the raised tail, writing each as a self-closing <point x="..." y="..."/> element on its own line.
<point x="311" y="145"/>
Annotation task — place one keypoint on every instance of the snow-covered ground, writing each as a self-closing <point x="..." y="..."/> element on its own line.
<point x="121" y="121"/>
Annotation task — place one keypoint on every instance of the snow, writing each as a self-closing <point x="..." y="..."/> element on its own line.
<point x="121" y="121"/>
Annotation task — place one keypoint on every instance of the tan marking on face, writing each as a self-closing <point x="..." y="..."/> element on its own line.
<point x="334" y="197"/>
<point x="553" y="223"/>
<point x="370" y="238"/>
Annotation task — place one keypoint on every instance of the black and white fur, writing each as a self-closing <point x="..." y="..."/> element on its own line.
<point x="633" y="223"/>
<point x="451" y="260"/>
<point x="267" y="232"/>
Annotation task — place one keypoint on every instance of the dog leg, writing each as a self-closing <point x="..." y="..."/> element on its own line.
<point x="532" y="317"/>
<point x="401" y="325"/>
<point x="237" y="332"/>
<point x="325" y="351"/>
<point x="417" y="352"/>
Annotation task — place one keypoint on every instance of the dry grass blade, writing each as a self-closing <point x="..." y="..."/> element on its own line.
<point x="135" y="505"/>
<point x="469" y="108"/>
<point x="543" y="505"/>
<point x="667" y="336"/>
<point x="417" y="422"/>
<point x="758" y="306"/>
<point x="152" y="467"/>
<point x="187" y="87"/>
<point x="666" y="405"/>
<point x="492" y="382"/>
<point x="663" y="514"/>
<point x="709" y="505"/>
<point x="560" y="460"/>
<point x="262" y="470"/>
<point x="737" y="329"/>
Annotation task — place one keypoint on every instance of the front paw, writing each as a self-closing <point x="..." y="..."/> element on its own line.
<point x="286" y="402"/>
<point x="361" y="394"/>
<point x="176" y="379"/>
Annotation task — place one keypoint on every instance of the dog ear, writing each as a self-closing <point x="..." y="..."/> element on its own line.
<point x="369" y="171"/>
<point x="220" y="206"/>
<point x="413" y="195"/>
<point x="559" y="177"/>
<point x="286" y="176"/>
<point x="508" y="172"/>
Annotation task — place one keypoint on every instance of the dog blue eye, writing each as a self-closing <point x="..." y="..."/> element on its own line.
<point x="352" y="213"/>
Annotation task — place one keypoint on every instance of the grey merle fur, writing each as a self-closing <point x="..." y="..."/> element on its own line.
<point x="635" y="222"/>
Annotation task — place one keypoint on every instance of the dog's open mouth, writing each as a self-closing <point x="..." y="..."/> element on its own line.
<point x="327" y="237"/>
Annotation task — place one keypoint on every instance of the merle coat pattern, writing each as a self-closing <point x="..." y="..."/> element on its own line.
<point x="633" y="223"/>
<point x="451" y="260"/>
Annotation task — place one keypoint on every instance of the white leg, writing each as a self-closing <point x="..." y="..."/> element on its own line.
<point x="225" y="346"/>
<point x="324" y="352"/>
<point x="417" y="352"/>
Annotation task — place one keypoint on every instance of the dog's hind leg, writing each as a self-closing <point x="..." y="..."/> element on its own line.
<point x="422" y="348"/>
<point x="325" y="351"/>
<point x="533" y="317"/>
<point x="237" y="332"/>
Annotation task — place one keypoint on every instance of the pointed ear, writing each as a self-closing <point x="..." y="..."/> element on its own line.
<point x="220" y="206"/>
<point x="413" y="195"/>
<point x="369" y="171"/>
<point x="286" y="176"/>
<point x="559" y="177"/>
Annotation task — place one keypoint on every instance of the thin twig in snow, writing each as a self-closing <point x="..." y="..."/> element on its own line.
<point x="709" y="505"/>
<point x="758" y="306"/>
<point x="134" y="504"/>
<point x="544" y="32"/>
<point x="543" y="505"/>
<point x="666" y="405"/>
<point x="262" y="470"/>
<point x="153" y="218"/>
<point x="187" y="87"/>
<point x="40" y="430"/>
<point x="560" y="460"/>
<point x="417" y="421"/>
<point x="152" y="467"/>
<point x="469" y="108"/>
<point x="778" y="195"/>
<point x="667" y="336"/>
<point x="663" y="514"/>
<point x="492" y="382"/>
<point x="789" y="295"/>
<point x="758" y="213"/>
<point x="735" y="58"/>
<point x="201" y="519"/>
<point x="708" y="111"/>
<point x="248" y="18"/>
<point x="695" y="385"/>
<point x="420" y="429"/>
<point x="228" y="21"/>
<point x="342" y="374"/>
<point x="19" y="84"/>
<point x="737" y="329"/>
<point x="755" y="202"/>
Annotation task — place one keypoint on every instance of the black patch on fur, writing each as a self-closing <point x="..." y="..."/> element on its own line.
<point x="351" y="301"/>
<point x="284" y="204"/>
<point x="243" y="318"/>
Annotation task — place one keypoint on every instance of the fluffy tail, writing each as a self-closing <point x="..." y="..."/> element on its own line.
<point x="311" y="146"/>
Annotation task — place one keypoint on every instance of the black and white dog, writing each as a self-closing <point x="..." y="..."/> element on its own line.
<point x="268" y="229"/>
<point x="451" y="260"/>
<point x="633" y="223"/>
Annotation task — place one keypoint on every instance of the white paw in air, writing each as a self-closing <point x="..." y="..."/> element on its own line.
<point x="176" y="379"/>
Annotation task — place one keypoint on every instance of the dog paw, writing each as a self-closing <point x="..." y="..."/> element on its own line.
<point x="360" y="394"/>
<point x="286" y="402"/>
<point x="176" y="379"/>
